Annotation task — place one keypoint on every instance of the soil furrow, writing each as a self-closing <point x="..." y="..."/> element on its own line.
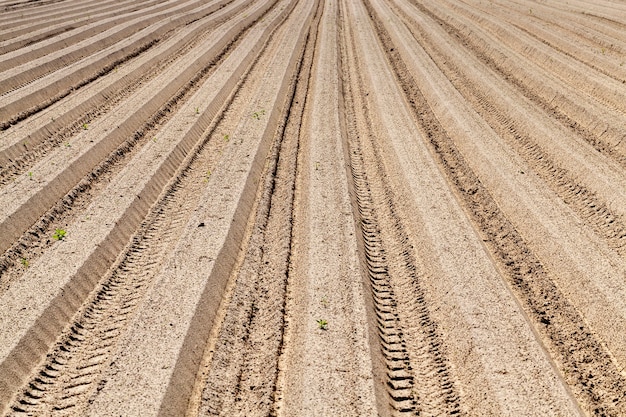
<point x="133" y="127"/>
<point x="12" y="27"/>
<point x="326" y="352"/>
<point x="33" y="103"/>
<point x="85" y="348"/>
<point x="327" y="207"/>
<point x="29" y="4"/>
<point x="30" y="245"/>
<point x="243" y="358"/>
<point x="273" y="75"/>
<point x="461" y="282"/>
<point x="596" y="35"/>
<point x="589" y="85"/>
<point x="18" y="30"/>
<point x="605" y="11"/>
<point x="90" y="41"/>
<point x="179" y="154"/>
<point x="511" y="125"/>
<point x="418" y="376"/>
<point x="418" y="380"/>
<point x="596" y="126"/>
<point x="586" y="364"/>
<point x="24" y="69"/>
<point x="49" y="94"/>
<point x="570" y="39"/>
<point x="117" y="14"/>
<point x="18" y="157"/>
<point x="41" y="8"/>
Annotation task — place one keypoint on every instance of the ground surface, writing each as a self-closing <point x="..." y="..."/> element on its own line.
<point x="312" y="208"/>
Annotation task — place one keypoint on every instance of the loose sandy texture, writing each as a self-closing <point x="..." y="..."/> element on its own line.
<point x="312" y="208"/>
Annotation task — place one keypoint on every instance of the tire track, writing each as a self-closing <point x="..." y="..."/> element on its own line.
<point x="325" y="281"/>
<point x="201" y="293"/>
<point x="510" y="124"/>
<point x="34" y="52"/>
<point x="46" y="95"/>
<point x="97" y="263"/>
<point x="30" y="245"/>
<point x="13" y="25"/>
<point x="418" y="377"/>
<point x="586" y="364"/>
<point x="35" y="102"/>
<point x="134" y="127"/>
<point x="28" y="4"/>
<point x="17" y="158"/>
<point x="26" y="68"/>
<point x="42" y="23"/>
<point x="600" y="34"/>
<point x="96" y="307"/>
<point x="567" y="72"/>
<point x="599" y="128"/>
<point x="70" y="376"/>
<point x="243" y="359"/>
<point x="558" y="37"/>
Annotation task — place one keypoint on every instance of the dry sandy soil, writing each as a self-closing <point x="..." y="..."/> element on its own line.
<point x="312" y="208"/>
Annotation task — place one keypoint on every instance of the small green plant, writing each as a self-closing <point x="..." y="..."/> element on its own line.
<point x="257" y="114"/>
<point x="197" y="110"/>
<point x="24" y="262"/>
<point x="59" y="234"/>
<point x="68" y="145"/>
<point x="317" y="166"/>
<point x="85" y="126"/>
<point x="322" y="324"/>
<point x="226" y="138"/>
<point x="30" y="174"/>
<point x="207" y="176"/>
<point x="603" y="51"/>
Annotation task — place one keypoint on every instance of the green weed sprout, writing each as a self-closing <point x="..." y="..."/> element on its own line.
<point x="24" y="262"/>
<point x="322" y="324"/>
<point x="59" y="234"/>
<point x="257" y="114"/>
<point x="85" y="126"/>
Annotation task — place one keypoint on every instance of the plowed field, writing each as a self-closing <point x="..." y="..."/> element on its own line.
<point x="312" y="207"/>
